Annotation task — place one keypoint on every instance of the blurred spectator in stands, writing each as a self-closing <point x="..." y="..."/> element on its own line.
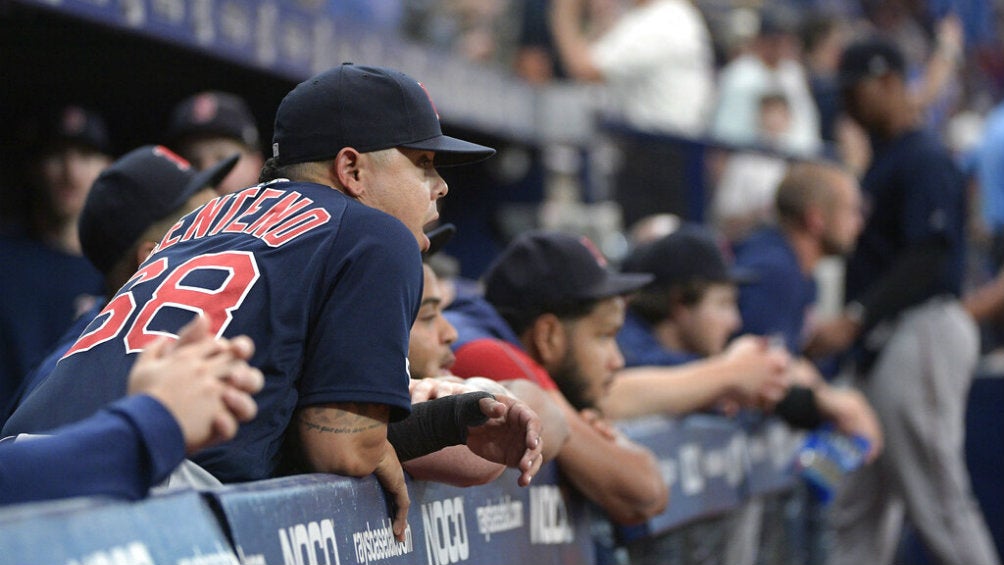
<point x="535" y="59"/>
<point x="208" y="127"/>
<point x="937" y="89"/>
<point x="475" y="30"/>
<point x="549" y="314"/>
<point x="45" y="282"/>
<point x="772" y="64"/>
<point x="913" y="340"/>
<point x="186" y="396"/>
<point x="657" y="62"/>
<point x="823" y="38"/>
<point x="824" y="35"/>
<point x="656" y="58"/>
<point x="744" y="195"/>
<point x="130" y="207"/>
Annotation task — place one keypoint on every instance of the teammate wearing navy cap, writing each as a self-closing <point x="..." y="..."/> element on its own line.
<point x="916" y="346"/>
<point x="319" y="265"/>
<point x="51" y="284"/>
<point x="208" y="127"/>
<point x="676" y="333"/>
<point x="550" y="312"/>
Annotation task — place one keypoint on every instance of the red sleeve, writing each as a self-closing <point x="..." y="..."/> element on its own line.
<point x="499" y="361"/>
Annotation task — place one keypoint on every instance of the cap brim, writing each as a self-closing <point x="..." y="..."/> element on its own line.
<point x="618" y="284"/>
<point x="213" y="175"/>
<point x="451" y="151"/>
<point x="438" y="237"/>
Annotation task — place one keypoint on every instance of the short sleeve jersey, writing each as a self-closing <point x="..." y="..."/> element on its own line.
<point x="777" y="299"/>
<point x="326" y="287"/>
<point x="915" y="195"/>
<point x="48" y="364"/>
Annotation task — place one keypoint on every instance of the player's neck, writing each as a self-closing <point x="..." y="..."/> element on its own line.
<point x="668" y="335"/>
<point x="808" y="249"/>
<point x="63" y="236"/>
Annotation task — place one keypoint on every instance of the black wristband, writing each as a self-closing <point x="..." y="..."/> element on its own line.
<point x="436" y="424"/>
<point x="799" y="408"/>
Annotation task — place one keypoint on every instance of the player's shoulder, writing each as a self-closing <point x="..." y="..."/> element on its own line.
<point x="496" y="359"/>
<point x="367" y="225"/>
<point x="356" y="224"/>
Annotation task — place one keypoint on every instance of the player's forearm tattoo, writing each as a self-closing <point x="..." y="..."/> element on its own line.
<point x="353" y="419"/>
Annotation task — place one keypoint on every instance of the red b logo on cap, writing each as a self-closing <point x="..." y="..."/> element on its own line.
<point x="588" y="244"/>
<point x="431" y="103"/>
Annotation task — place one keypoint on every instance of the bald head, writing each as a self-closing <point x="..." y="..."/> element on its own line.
<point x="806" y="185"/>
<point x="823" y="201"/>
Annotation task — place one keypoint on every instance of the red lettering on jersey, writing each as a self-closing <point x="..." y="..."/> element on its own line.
<point x="118" y="310"/>
<point x="281" y="210"/>
<point x="216" y="304"/>
<point x="204" y="219"/>
<point x="168" y="240"/>
<point x="296" y="226"/>
<point x="237" y="199"/>
<point x="237" y="226"/>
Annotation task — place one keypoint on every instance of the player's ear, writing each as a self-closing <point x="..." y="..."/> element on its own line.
<point x="815" y="220"/>
<point x="549" y="339"/>
<point x="345" y="169"/>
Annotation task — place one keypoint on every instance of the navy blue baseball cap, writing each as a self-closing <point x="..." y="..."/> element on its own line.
<point x="74" y="125"/>
<point x="540" y="269"/>
<point x="368" y="109"/>
<point x="213" y="113"/>
<point x="136" y="191"/>
<point x="688" y="254"/>
<point x="867" y="59"/>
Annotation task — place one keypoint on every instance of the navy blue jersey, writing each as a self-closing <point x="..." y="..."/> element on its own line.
<point x="326" y="287"/>
<point x="475" y="318"/>
<point x="46" y="366"/>
<point x="42" y="290"/>
<point x="914" y="195"/>
<point x="640" y="348"/>
<point x="777" y="298"/>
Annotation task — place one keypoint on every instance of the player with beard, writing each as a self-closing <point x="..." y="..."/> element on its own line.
<point x="819" y="214"/>
<point x="550" y="313"/>
<point x="430" y="360"/>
